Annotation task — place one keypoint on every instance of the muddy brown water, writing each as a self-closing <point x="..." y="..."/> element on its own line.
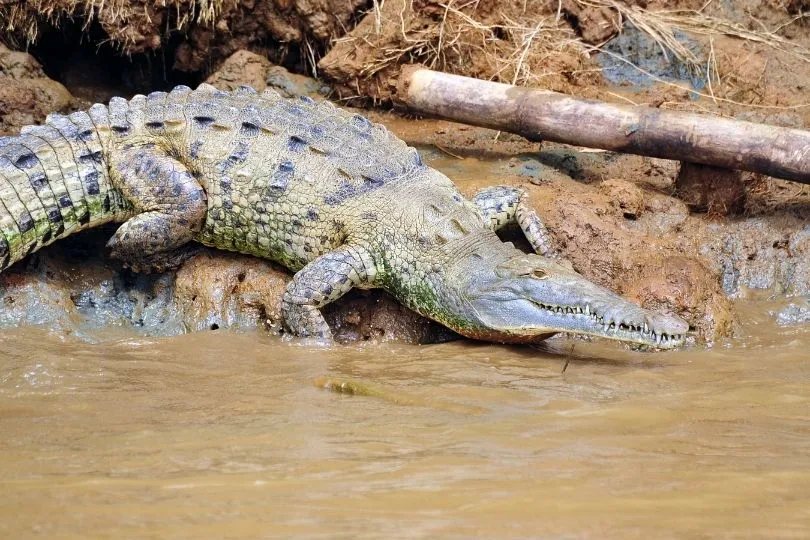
<point x="220" y="434"/>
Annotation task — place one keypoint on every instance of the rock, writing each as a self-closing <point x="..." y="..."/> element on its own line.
<point x="663" y="214"/>
<point x="29" y="300"/>
<point x="646" y="259"/>
<point x="764" y="252"/>
<point x="70" y="288"/>
<point x="292" y="85"/>
<point x="247" y="68"/>
<point x="635" y="58"/>
<point x="679" y="284"/>
<point x="27" y="95"/>
<point x="221" y="290"/>
<point x="241" y="68"/>
<point x="376" y="315"/>
<point x="73" y="289"/>
<point x="224" y="290"/>
<point x="797" y="312"/>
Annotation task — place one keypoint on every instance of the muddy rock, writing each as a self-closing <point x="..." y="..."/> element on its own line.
<point x="640" y="255"/>
<point x="247" y="68"/>
<point x="221" y="290"/>
<point x="794" y="313"/>
<point x="761" y="253"/>
<point x="27" y="95"/>
<point x="678" y="284"/>
<point x="293" y="85"/>
<point x="30" y="298"/>
<point x="622" y="56"/>
<point x="72" y="289"/>
<point x="376" y="315"/>
<point x="241" y="68"/>
<point x="225" y="290"/>
<point x="663" y="215"/>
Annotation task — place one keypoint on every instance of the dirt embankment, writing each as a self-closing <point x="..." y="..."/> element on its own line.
<point x="198" y="34"/>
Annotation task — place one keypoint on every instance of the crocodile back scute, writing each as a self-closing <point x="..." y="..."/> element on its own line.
<point x="360" y="147"/>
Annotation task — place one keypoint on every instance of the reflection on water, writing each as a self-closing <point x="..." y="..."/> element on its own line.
<point x="224" y="435"/>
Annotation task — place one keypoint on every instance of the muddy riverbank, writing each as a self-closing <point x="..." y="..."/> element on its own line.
<point x="619" y="219"/>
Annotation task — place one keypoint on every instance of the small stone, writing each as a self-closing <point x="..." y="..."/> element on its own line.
<point x="794" y="313"/>
<point x="27" y="95"/>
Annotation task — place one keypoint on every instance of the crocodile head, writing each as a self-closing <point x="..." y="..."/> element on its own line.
<point x="527" y="298"/>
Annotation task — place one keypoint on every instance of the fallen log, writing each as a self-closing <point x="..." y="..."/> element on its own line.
<point x="647" y="131"/>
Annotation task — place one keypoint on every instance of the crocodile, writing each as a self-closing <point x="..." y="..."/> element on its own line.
<point x="335" y="198"/>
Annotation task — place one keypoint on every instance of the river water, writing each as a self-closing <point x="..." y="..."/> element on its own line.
<point x="220" y="434"/>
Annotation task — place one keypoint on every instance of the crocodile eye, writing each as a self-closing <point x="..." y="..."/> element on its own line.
<point x="537" y="273"/>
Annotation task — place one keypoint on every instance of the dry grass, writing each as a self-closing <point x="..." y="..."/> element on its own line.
<point x="20" y="21"/>
<point x="528" y="43"/>
<point x="507" y="44"/>
<point x="662" y="25"/>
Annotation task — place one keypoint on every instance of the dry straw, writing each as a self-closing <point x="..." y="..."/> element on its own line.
<point x="512" y="43"/>
<point x="22" y="18"/>
<point x="662" y="25"/>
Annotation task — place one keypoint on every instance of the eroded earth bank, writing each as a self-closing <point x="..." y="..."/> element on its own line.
<point x="687" y="244"/>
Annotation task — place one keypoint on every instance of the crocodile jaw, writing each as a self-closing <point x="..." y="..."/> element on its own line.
<point x="529" y="298"/>
<point x="539" y="321"/>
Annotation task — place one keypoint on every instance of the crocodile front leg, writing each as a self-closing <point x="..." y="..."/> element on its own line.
<point x="324" y="280"/>
<point x="504" y="205"/>
<point x="171" y="205"/>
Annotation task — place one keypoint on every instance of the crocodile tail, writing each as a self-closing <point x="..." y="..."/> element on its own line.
<point x="53" y="182"/>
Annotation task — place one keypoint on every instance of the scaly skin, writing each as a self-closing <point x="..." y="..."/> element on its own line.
<point x="331" y="196"/>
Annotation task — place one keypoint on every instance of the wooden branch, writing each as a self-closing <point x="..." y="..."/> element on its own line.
<point x="543" y="115"/>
